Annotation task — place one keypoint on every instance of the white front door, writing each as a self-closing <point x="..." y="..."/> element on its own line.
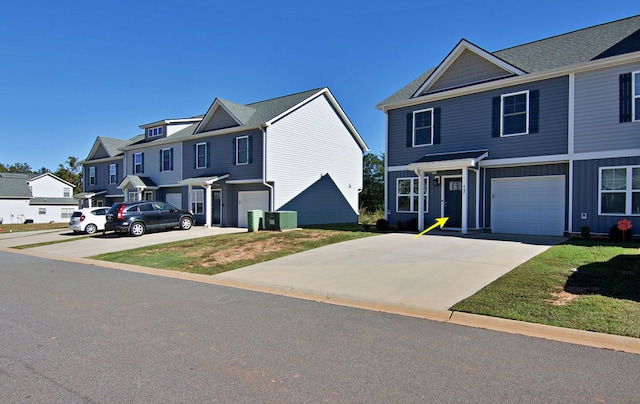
<point x="251" y="200"/>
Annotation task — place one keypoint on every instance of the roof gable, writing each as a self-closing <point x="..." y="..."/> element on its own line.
<point x="465" y="65"/>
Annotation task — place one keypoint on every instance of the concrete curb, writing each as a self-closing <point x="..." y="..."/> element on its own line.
<point x="560" y="334"/>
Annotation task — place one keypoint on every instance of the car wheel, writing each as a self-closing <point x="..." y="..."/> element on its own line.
<point x="137" y="229"/>
<point x="91" y="228"/>
<point x="186" y="223"/>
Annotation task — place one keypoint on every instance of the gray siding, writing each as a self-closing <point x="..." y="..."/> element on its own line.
<point x="220" y="119"/>
<point x="102" y="178"/>
<point x="468" y="68"/>
<point x="585" y="195"/>
<point x="222" y="157"/>
<point x="466" y="125"/>
<point x="522" y="171"/>
<point x="597" y="124"/>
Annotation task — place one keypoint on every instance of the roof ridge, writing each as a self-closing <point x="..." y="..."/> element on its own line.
<point x="287" y="95"/>
<point x="567" y="33"/>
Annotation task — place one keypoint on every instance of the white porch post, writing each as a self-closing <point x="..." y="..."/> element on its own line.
<point x="465" y="200"/>
<point x="189" y="199"/>
<point x="208" y="202"/>
<point x="420" y="200"/>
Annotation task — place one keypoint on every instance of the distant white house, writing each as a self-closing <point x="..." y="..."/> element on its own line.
<point x="41" y="198"/>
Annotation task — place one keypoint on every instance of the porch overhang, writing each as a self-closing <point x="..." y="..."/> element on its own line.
<point x="432" y="163"/>
<point x="137" y="182"/>
<point x="203" y="181"/>
<point x="88" y="195"/>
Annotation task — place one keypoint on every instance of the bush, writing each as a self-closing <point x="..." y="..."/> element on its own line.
<point x="586" y="232"/>
<point x="411" y="224"/>
<point x="616" y="234"/>
<point x="382" y="224"/>
<point x="400" y="225"/>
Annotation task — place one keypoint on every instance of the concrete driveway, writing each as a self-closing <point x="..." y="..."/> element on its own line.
<point x="430" y="272"/>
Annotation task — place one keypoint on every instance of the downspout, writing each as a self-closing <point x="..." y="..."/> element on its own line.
<point x="264" y="165"/>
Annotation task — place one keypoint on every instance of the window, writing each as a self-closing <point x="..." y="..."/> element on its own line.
<point x="42" y="211"/>
<point x="92" y="176"/>
<point x="66" y="192"/>
<point x="201" y="155"/>
<point x="197" y="201"/>
<point x="65" y="213"/>
<point x="133" y="196"/>
<point x="242" y="150"/>
<point x="138" y="163"/>
<point x="148" y="195"/>
<point x="636" y="96"/>
<point x="423" y="127"/>
<point x="515" y="109"/>
<point x="407" y="194"/>
<point x="153" y="132"/>
<point x="113" y="173"/>
<point x="620" y="190"/>
<point x="166" y="159"/>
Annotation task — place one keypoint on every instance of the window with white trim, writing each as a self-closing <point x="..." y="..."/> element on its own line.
<point x="635" y="85"/>
<point x="133" y="196"/>
<point x="619" y="190"/>
<point x="514" y="114"/>
<point x="92" y="176"/>
<point x="42" y="211"/>
<point x="66" y="213"/>
<point x="197" y="201"/>
<point x="113" y="173"/>
<point x="166" y="157"/>
<point x="138" y="163"/>
<point x="242" y="150"/>
<point x="153" y="132"/>
<point x="201" y="155"/>
<point x="407" y="194"/>
<point x="423" y="127"/>
<point x="66" y="192"/>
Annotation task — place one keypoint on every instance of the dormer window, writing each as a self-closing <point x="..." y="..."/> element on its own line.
<point x="153" y="132"/>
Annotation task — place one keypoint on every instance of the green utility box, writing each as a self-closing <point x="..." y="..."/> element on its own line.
<point x="253" y="220"/>
<point x="282" y="220"/>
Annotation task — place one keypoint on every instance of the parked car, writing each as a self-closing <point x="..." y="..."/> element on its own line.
<point x="88" y="220"/>
<point x="136" y="218"/>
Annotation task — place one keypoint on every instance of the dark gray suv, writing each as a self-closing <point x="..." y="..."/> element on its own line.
<point x="136" y="218"/>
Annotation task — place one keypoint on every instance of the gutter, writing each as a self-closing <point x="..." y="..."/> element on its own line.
<point x="263" y="128"/>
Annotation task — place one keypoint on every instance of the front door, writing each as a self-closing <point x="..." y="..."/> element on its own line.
<point x="216" y="207"/>
<point x="453" y="201"/>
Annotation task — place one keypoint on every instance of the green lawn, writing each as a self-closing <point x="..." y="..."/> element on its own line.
<point x="216" y="254"/>
<point x="593" y="286"/>
<point x="7" y="227"/>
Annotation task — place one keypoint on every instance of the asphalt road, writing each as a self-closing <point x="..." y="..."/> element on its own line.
<point x="75" y="333"/>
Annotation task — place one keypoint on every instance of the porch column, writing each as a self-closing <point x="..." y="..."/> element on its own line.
<point x="208" y="203"/>
<point x="420" y="200"/>
<point x="465" y="200"/>
<point x="189" y="199"/>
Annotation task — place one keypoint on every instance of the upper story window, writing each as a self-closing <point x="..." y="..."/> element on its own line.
<point x="166" y="159"/>
<point x="636" y="96"/>
<point x="113" y="173"/>
<point x="408" y="192"/>
<point x="242" y="150"/>
<point x="153" y="132"/>
<point x="515" y="113"/>
<point x="201" y="152"/>
<point x="423" y="127"/>
<point x="138" y="163"/>
<point x="66" y="192"/>
<point x="92" y="176"/>
<point x="619" y="190"/>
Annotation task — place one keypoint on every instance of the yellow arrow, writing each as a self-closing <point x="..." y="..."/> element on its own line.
<point x="439" y="222"/>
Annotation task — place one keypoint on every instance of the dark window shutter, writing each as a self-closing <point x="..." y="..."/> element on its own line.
<point x="625" y="98"/>
<point x="142" y="161"/>
<point x="161" y="165"/>
<point x="495" y="117"/>
<point x="534" y="110"/>
<point x="250" y="147"/>
<point x="234" y="150"/>
<point x="195" y="156"/>
<point x="208" y="154"/>
<point x="133" y="166"/>
<point x="410" y="129"/>
<point x="436" y="126"/>
<point x="171" y="159"/>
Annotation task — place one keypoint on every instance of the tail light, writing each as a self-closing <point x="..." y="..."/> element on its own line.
<point x="121" y="213"/>
<point x="82" y="217"/>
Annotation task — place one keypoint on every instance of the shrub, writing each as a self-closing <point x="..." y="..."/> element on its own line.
<point x="412" y="224"/>
<point x="382" y="224"/>
<point x="586" y="232"/>
<point x="400" y="225"/>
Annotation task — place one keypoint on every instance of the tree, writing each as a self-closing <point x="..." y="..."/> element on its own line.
<point x="20" y="168"/>
<point x="372" y="195"/>
<point x="70" y="171"/>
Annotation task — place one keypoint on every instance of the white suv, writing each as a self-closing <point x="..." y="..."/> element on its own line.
<point x="88" y="220"/>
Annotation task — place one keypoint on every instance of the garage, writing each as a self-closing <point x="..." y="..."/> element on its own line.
<point x="251" y="200"/>
<point x="528" y="205"/>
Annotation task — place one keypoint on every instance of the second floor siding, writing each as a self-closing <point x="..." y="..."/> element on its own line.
<point x="161" y="163"/>
<point x="466" y="123"/>
<point x="105" y="177"/>
<point x="597" y="112"/>
<point x="221" y="155"/>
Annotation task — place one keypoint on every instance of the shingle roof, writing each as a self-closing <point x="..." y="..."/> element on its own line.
<point x="584" y="45"/>
<point x="14" y="186"/>
<point x="269" y="109"/>
<point x="53" y="201"/>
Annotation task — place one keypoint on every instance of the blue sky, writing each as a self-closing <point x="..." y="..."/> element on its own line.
<point x="74" y="70"/>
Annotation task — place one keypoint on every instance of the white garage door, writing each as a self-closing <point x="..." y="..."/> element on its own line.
<point x="528" y="205"/>
<point x="174" y="199"/>
<point x="251" y="200"/>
